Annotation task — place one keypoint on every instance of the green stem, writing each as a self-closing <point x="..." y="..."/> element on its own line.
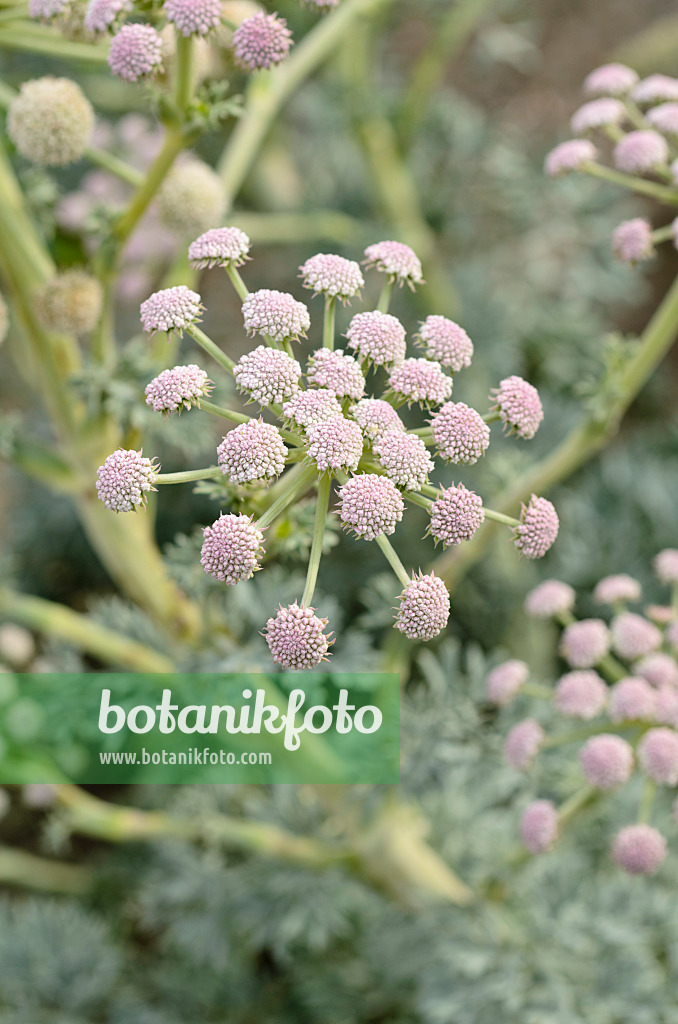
<point x="576" y="803"/>
<point x="665" y="234"/>
<point x="301" y="226"/>
<point x="491" y="417"/>
<point x="30" y="38"/>
<point x="647" y="800"/>
<point x="296" y="481"/>
<point x="226" y="414"/>
<point x="103" y="643"/>
<point x="385" y="297"/>
<point x="208" y="345"/>
<point x="30" y="872"/>
<point x="173" y="145"/>
<point x="322" y="506"/>
<point x="328" y="322"/>
<point x="189" y="475"/>
<point x="184" y="71"/>
<point x="237" y="282"/>
<point x="500" y="517"/>
<point x="646" y="188"/>
<point x="612" y="668"/>
<point x="392" y="558"/>
<point x="534" y="690"/>
<point x="115" y="165"/>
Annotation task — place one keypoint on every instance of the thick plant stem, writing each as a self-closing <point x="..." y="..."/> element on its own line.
<point x="173" y="145"/>
<point x="576" y="803"/>
<point x="393" y="560"/>
<point x="268" y="93"/>
<point x="115" y="165"/>
<point x="385" y="297"/>
<point x="208" y="345"/>
<point x="31" y="38"/>
<point x="241" y="288"/>
<point x="225" y="414"/>
<point x="189" y="476"/>
<point x="663" y="193"/>
<point x="296" y="481"/>
<point x="55" y="620"/>
<point x="185" y="53"/>
<point x="322" y="506"/>
<point x="328" y="322"/>
<point x="18" y="868"/>
<point x="582" y="443"/>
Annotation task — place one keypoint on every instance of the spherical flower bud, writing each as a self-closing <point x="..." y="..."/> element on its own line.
<point x="276" y="315"/>
<point x="375" y="417"/>
<point x="538" y="528"/>
<point x="135" y="52"/>
<point x="232" y="548"/>
<point x="655" y="89"/>
<point x="46" y="10"/>
<point x="101" y="14"/>
<point x="610" y="80"/>
<point x="193" y="17"/>
<point x="50" y="121"/>
<point x="252" y="451"/>
<point x="334" y="276"/>
<point x="219" y="247"/>
<point x="322" y="5"/>
<point x="190" y="198"/>
<point x="370" y="505"/>
<point x="523" y="743"/>
<point x="641" y="151"/>
<point x="336" y="371"/>
<point x="267" y="374"/>
<point x="658" y="755"/>
<point x="456" y="515"/>
<point x="666" y="709"/>
<point x="519" y="406"/>
<point x="446" y="342"/>
<point x="125" y="479"/>
<point x="585" y="643"/>
<point x="659" y="669"/>
<point x="597" y="114"/>
<point x="336" y="443"/>
<point x="662" y="614"/>
<point x="395" y="259"/>
<point x="460" y="433"/>
<point x="569" y="156"/>
<point x="424" y="607"/>
<point x="615" y="589"/>
<point x="548" y="599"/>
<point x="296" y="638"/>
<point x="261" y="41"/>
<point x="178" y="388"/>
<point x="171" y="309"/>
<point x="504" y="681"/>
<point x="664" y="118"/>
<point x="378" y="337"/>
<point x="539" y="826"/>
<point x="666" y="565"/>
<point x="405" y="459"/>
<point x="671" y="634"/>
<point x="632" y="241"/>
<point x="632" y="699"/>
<point x="306" y="408"/>
<point x="420" y="380"/>
<point x="633" y="636"/>
<point x="581" y="694"/>
<point x="70" y="303"/>
<point x="639" y="849"/>
<point x="606" y="760"/>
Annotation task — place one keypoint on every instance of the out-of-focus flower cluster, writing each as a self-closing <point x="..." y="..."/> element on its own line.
<point x="621" y="680"/>
<point x="323" y="424"/>
<point x="632" y="125"/>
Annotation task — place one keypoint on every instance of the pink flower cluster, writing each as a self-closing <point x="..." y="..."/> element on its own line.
<point x="317" y="425"/>
<point x="621" y="679"/>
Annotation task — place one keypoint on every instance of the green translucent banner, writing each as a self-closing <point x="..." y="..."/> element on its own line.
<point x="114" y="728"/>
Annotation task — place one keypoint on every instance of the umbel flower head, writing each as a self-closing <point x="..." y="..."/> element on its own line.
<point x="261" y="41"/>
<point x="135" y="52"/>
<point x="103" y="14"/>
<point x="334" y="276"/>
<point x="50" y="121"/>
<point x="232" y="548"/>
<point x="219" y="247"/>
<point x="641" y="151"/>
<point x="46" y="10"/>
<point x="610" y="80"/>
<point x="70" y="303"/>
<point x="539" y="826"/>
<point x="519" y="406"/>
<point x="296" y="637"/>
<point x="632" y="241"/>
<point x="276" y="315"/>
<point x="180" y="387"/>
<point x="193" y="17"/>
<point x="331" y="427"/>
<point x="124" y="480"/>
<point x="633" y="717"/>
<point x="172" y="309"/>
<point x="190" y="198"/>
<point x="569" y="156"/>
<point x="505" y="680"/>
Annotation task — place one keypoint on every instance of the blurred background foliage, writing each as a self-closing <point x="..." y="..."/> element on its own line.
<point x="429" y="125"/>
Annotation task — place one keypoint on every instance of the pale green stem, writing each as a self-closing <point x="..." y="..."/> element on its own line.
<point x="612" y="668"/>
<point x="112" y="163"/>
<point x="185" y="52"/>
<point x="321" y="509"/>
<point x="385" y="297"/>
<point x="328" y="322"/>
<point x="30" y="872"/>
<point x="647" y="800"/>
<point x="664" y="234"/>
<point x="499" y="517"/>
<point x="392" y="558"/>
<point x="208" y="345"/>
<point x="225" y="414"/>
<point x="189" y="475"/>
<point x="173" y="145"/>
<point x="55" y="620"/>
<point x="418" y="499"/>
<point x="585" y="732"/>
<point x="297" y="481"/>
<point x="32" y="38"/>
<point x="300" y="226"/>
<point x="576" y="803"/>
<point x="237" y="282"/>
<point x="491" y="417"/>
<point x="647" y="188"/>
<point x="534" y="690"/>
